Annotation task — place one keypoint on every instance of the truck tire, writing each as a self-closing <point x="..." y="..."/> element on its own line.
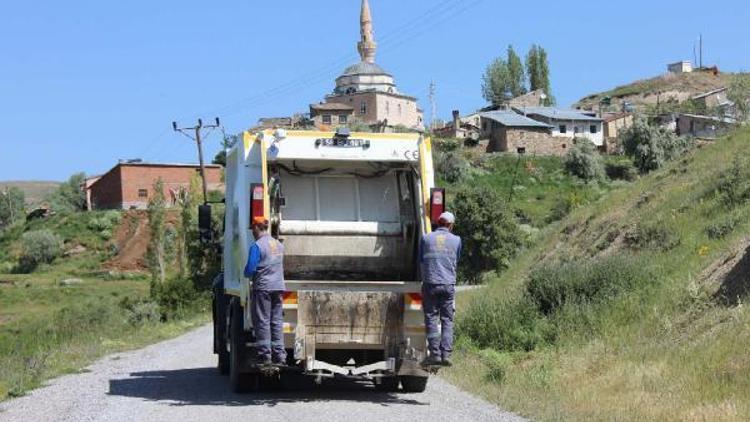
<point x="239" y="381"/>
<point x="387" y="384"/>
<point x="412" y="384"/>
<point x="220" y="305"/>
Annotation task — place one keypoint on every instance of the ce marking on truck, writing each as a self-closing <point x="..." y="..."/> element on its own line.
<point x="411" y="155"/>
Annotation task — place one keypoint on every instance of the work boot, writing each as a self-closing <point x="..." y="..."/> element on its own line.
<point x="446" y="361"/>
<point x="279" y="361"/>
<point x="432" y="361"/>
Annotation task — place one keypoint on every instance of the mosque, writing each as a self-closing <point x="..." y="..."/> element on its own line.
<point x="366" y="93"/>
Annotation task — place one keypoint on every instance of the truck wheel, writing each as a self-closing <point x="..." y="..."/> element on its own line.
<point x="413" y="384"/>
<point x="220" y="303"/>
<point x="223" y="363"/>
<point x="387" y="384"/>
<point x="240" y="382"/>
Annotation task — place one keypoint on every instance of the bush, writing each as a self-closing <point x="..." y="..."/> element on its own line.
<point x="69" y="196"/>
<point x="651" y="147"/>
<point x="621" y="170"/>
<point x="721" y="229"/>
<point x="584" y="161"/>
<point x="733" y="187"/>
<point x="446" y="144"/>
<point x="509" y="324"/>
<point x="490" y="235"/>
<point x="550" y="287"/>
<point x="141" y="312"/>
<point x="452" y="167"/>
<point x="176" y="298"/>
<point x="653" y="236"/>
<point x="39" y="247"/>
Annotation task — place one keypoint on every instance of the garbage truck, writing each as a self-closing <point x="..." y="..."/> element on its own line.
<point x="350" y="210"/>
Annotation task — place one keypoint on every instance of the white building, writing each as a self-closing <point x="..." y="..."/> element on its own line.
<point x="567" y="123"/>
<point x="680" y="67"/>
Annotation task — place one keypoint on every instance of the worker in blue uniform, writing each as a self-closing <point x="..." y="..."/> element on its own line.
<point x="265" y="267"/>
<point x="439" y="255"/>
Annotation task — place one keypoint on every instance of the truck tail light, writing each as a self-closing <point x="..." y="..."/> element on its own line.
<point x="289" y="298"/>
<point x="437" y="204"/>
<point x="256" y="201"/>
<point x="413" y="301"/>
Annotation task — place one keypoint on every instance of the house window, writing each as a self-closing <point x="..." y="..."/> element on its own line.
<point x="564" y="146"/>
<point x="326" y="119"/>
<point x="576" y="129"/>
<point x="363" y="107"/>
<point x="143" y="193"/>
<point x="593" y="129"/>
<point x="342" y="119"/>
<point x="521" y="150"/>
<point x="563" y="129"/>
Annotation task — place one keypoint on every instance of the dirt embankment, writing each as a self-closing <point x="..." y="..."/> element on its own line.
<point x="131" y="239"/>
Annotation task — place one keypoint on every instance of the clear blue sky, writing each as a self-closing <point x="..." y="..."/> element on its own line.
<point x="83" y="83"/>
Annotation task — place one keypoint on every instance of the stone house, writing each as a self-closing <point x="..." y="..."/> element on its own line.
<point x="567" y="123"/>
<point x="331" y="115"/>
<point x="130" y="185"/>
<point x="614" y="123"/>
<point x="511" y="132"/>
<point x="716" y="100"/>
<point x="706" y="127"/>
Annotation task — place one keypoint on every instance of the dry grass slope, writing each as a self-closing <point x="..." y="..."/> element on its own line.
<point x="35" y="191"/>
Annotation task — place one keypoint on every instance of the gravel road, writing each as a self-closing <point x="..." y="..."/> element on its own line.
<point x="176" y="381"/>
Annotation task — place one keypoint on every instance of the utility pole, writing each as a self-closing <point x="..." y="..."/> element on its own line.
<point x="197" y="138"/>
<point x="433" y="105"/>
<point x="701" y="51"/>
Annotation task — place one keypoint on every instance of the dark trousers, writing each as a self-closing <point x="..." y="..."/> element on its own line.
<point x="268" y="324"/>
<point x="437" y="302"/>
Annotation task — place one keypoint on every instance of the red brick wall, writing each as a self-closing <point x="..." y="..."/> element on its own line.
<point x="106" y="193"/>
<point x="127" y="180"/>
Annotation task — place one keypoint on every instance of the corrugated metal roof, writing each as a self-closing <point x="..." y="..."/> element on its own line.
<point x="510" y="118"/>
<point x="557" y="113"/>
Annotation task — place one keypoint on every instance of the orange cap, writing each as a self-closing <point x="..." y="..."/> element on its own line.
<point x="259" y="221"/>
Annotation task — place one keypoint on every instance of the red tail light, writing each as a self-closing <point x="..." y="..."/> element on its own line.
<point x="413" y="301"/>
<point x="256" y="201"/>
<point x="437" y="204"/>
<point x="289" y="298"/>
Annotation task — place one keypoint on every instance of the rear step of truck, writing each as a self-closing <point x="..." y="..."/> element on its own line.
<point x="354" y="286"/>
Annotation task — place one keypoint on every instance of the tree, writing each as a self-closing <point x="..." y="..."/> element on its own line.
<point x="69" y="196"/>
<point x="516" y="76"/>
<point x="651" y="147"/>
<point x="188" y="200"/>
<point x="584" y="161"/>
<point x="156" y="223"/>
<point x="489" y="233"/>
<point x="739" y="94"/>
<point x="12" y="202"/>
<point x="496" y="82"/>
<point x="537" y="68"/>
<point x="39" y="247"/>
<point x="227" y="142"/>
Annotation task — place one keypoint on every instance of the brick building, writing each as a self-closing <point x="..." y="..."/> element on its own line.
<point x="511" y="132"/>
<point x="129" y="185"/>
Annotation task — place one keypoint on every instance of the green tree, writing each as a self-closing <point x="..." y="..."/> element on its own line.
<point x="157" y="227"/>
<point x="496" y="82"/>
<point x="39" y="247"/>
<point x="739" y="94"/>
<point x="12" y="202"/>
<point x="537" y="68"/>
<point x="516" y="76"/>
<point x="651" y="147"/>
<point x="69" y="196"/>
<point x="188" y="200"/>
<point x="584" y="161"/>
<point x="489" y="233"/>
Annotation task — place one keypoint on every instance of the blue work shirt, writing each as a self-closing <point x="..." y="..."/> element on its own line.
<point x="265" y="264"/>
<point x="439" y="253"/>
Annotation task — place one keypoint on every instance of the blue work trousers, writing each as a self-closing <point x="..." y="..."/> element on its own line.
<point x="268" y="323"/>
<point x="438" y="304"/>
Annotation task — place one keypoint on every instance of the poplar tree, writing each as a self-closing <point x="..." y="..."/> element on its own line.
<point x="157" y="227"/>
<point x="516" y="77"/>
<point x="537" y="67"/>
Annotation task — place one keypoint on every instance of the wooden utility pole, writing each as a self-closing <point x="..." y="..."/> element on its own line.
<point x="197" y="138"/>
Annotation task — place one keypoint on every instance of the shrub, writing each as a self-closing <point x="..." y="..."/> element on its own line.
<point x="621" y="170"/>
<point x="584" y="161"/>
<point x="141" y="312"/>
<point x="651" y="147"/>
<point x="69" y="196"/>
<point x="653" y="236"/>
<point x="452" y="167"/>
<point x="733" y="187"/>
<point x="446" y="144"/>
<point x="509" y="324"/>
<point x="11" y="206"/>
<point x="176" y="298"/>
<point x="488" y="230"/>
<point x="39" y="247"/>
<point x="550" y="287"/>
<point x="721" y="229"/>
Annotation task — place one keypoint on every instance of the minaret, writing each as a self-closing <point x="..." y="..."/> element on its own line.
<point x="367" y="46"/>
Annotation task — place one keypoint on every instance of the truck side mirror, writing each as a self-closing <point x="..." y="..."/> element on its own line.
<point x="204" y="223"/>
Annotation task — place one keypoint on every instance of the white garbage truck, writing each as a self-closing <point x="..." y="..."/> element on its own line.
<point x="350" y="209"/>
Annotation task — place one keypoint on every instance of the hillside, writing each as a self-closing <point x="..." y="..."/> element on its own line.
<point x="663" y="88"/>
<point x="35" y="191"/>
<point x="631" y="308"/>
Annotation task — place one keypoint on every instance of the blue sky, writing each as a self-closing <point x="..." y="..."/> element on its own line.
<point x="83" y="83"/>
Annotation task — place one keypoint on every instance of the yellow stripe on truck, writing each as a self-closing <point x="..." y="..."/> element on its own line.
<point x="424" y="149"/>
<point x="264" y="170"/>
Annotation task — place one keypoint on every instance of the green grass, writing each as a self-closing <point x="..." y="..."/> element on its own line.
<point x="50" y="325"/>
<point x="671" y="344"/>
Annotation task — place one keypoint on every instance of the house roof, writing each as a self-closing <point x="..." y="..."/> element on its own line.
<point x="727" y="120"/>
<point x="331" y="106"/>
<point x="557" y="113"/>
<point x="615" y="116"/>
<point x="509" y="118"/>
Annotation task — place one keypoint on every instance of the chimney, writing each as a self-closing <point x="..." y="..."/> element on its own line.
<point x="456" y="120"/>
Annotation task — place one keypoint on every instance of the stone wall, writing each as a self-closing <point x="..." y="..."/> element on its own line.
<point x="379" y="106"/>
<point x="528" y="140"/>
